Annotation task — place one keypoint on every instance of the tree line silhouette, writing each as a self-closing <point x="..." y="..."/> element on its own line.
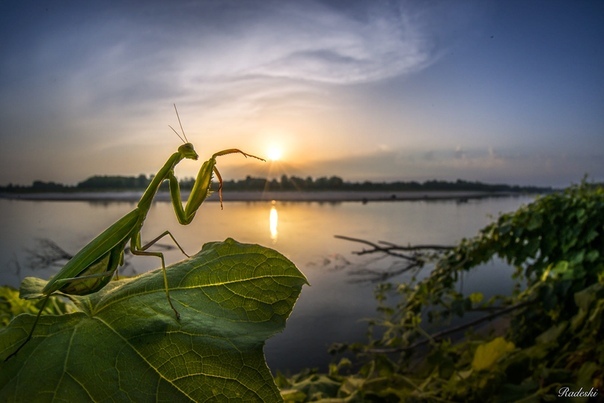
<point x="99" y="183"/>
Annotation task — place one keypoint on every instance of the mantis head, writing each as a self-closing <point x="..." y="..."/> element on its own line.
<point x="187" y="151"/>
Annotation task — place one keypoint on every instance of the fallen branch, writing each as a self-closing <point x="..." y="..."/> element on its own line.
<point x="416" y="256"/>
<point x="391" y="248"/>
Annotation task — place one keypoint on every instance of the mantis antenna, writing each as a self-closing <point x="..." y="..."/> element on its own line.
<point x="181" y="129"/>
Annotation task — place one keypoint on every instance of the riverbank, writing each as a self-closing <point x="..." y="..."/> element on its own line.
<point x="289" y="196"/>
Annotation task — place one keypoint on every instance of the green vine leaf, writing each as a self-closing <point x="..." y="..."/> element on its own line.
<point x="125" y="343"/>
<point x="487" y="354"/>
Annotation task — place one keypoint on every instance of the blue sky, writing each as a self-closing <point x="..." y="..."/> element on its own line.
<point x="495" y="91"/>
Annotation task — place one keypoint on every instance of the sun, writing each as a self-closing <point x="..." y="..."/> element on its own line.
<point x="274" y="153"/>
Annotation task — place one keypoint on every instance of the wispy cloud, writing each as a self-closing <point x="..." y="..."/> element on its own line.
<point x="285" y="46"/>
<point x="326" y="46"/>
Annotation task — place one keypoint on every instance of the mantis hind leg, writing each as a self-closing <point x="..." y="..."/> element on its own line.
<point x="31" y="332"/>
<point x="157" y="238"/>
<point x="138" y="250"/>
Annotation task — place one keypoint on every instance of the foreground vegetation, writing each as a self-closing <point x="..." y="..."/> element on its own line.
<point x="550" y="348"/>
<point x="122" y="343"/>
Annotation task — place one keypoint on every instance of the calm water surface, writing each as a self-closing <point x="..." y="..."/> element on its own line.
<point x="331" y="309"/>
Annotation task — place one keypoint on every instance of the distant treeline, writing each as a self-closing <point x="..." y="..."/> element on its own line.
<point x="337" y="183"/>
<point x="121" y="183"/>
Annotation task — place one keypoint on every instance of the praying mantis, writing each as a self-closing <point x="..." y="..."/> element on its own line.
<point x="94" y="265"/>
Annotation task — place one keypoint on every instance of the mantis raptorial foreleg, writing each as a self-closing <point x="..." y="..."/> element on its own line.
<point x="92" y="267"/>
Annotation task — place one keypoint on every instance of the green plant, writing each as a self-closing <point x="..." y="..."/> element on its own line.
<point x="122" y="343"/>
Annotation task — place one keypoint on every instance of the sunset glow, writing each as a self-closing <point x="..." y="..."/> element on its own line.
<point x="274" y="153"/>
<point x="366" y="90"/>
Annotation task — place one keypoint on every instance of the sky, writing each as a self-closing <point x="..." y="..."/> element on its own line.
<point x="492" y="91"/>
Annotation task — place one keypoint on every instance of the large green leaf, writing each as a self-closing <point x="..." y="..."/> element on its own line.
<point x="126" y="343"/>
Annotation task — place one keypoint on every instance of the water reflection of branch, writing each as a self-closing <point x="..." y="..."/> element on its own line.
<point x="47" y="253"/>
<point x="335" y="262"/>
<point x="14" y="262"/>
<point x="415" y="257"/>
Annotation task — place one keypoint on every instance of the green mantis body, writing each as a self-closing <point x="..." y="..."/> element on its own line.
<point x="94" y="265"/>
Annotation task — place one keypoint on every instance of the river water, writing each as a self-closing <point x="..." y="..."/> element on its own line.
<point x="332" y="309"/>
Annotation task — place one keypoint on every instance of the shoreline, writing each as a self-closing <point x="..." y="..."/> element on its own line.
<point x="283" y="196"/>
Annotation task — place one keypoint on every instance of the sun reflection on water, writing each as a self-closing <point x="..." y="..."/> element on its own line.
<point x="273" y="221"/>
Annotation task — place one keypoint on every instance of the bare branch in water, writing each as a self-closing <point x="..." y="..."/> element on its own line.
<point x="391" y="248"/>
<point x="415" y="257"/>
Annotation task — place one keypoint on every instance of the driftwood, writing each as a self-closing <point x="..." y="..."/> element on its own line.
<point x="413" y="256"/>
